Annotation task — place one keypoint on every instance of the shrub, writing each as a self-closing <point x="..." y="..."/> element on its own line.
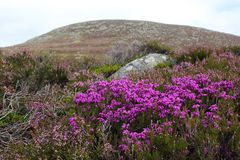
<point x="233" y="49"/>
<point x="212" y="64"/>
<point x="34" y="71"/>
<point x="194" y="56"/>
<point x="47" y="74"/>
<point x="226" y="63"/>
<point x="80" y="81"/>
<point x="156" y="47"/>
<point x="87" y="62"/>
<point x="18" y="68"/>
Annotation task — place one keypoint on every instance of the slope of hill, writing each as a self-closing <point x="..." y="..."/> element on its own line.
<point x="97" y="37"/>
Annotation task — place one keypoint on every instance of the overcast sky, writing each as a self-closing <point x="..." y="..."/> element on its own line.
<point x="21" y="20"/>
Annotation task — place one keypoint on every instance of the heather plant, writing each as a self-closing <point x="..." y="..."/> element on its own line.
<point x="61" y="137"/>
<point x="224" y="63"/>
<point x="233" y="49"/>
<point x="35" y="71"/>
<point x="17" y="67"/>
<point x="16" y="111"/>
<point x="137" y="112"/>
<point x="194" y="55"/>
<point x="87" y="62"/>
<point x="79" y="81"/>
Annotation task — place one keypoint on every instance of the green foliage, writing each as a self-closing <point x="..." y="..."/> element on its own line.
<point x="194" y="56"/>
<point x="156" y="47"/>
<point x="20" y="67"/>
<point x="68" y="111"/>
<point x="12" y="118"/>
<point x="213" y="64"/>
<point x="204" y="138"/>
<point x="47" y="74"/>
<point x="233" y="49"/>
<point x="164" y="64"/>
<point x="13" y="110"/>
<point x="167" y="147"/>
<point x="107" y="70"/>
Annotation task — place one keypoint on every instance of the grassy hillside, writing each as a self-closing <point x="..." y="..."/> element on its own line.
<point x="97" y="37"/>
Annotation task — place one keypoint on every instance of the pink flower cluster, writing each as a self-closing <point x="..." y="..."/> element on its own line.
<point x="126" y="103"/>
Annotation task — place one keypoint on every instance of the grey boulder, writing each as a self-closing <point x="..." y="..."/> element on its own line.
<point x="141" y="65"/>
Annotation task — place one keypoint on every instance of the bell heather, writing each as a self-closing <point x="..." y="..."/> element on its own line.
<point x="141" y="109"/>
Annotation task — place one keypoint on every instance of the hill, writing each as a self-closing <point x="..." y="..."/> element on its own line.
<point x="97" y="37"/>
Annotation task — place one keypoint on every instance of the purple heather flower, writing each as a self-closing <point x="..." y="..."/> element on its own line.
<point x="213" y="108"/>
<point x="73" y="123"/>
<point x="125" y="102"/>
<point x="205" y="151"/>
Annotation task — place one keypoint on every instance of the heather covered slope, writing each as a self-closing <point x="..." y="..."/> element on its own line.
<point x="97" y="37"/>
<point x="55" y="110"/>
